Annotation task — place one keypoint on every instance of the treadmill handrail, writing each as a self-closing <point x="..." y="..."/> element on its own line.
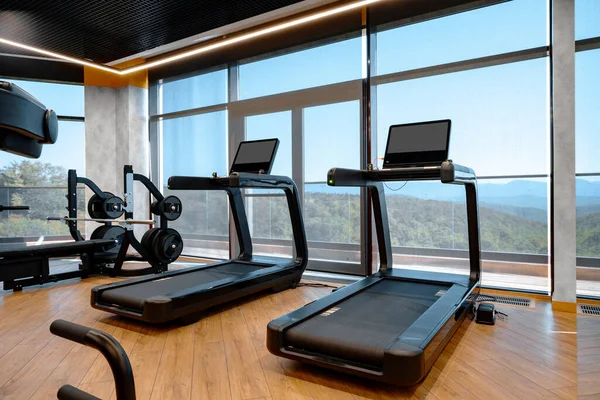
<point x="233" y="184"/>
<point x="448" y="173"/>
<point x="235" y="180"/>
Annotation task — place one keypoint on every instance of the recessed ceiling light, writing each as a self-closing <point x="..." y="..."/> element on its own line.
<point x="190" y="53"/>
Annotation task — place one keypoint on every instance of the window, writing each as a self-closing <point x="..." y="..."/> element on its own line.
<point x="587" y="15"/>
<point x="197" y="146"/>
<point x="331" y="214"/>
<point x="478" y="33"/>
<point x="267" y="210"/>
<point x="311" y="99"/>
<point x="41" y="183"/>
<point x="587" y="102"/>
<point x="64" y="99"/>
<point x="194" y="92"/>
<point x="499" y="115"/>
<point x="500" y="129"/>
<point x="323" y="65"/>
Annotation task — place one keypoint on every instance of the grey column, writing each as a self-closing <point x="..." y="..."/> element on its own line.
<point x="116" y="122"/>
<point x="563" y="152"/>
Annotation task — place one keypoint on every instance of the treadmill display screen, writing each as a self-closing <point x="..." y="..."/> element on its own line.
<point x="255" y="156"/>
<point x="417" y="144"/>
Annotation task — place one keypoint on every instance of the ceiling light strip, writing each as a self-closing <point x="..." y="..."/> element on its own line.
<point x="251" y="35"/>
<point x="200" y="50"/>
<point x="58" y="55"/>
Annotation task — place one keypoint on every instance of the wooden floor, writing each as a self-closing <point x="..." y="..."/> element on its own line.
<point x="532" y="355"/>
<point x="588" y="359"/>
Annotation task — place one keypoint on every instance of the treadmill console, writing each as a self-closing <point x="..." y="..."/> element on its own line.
<point x="417" y="144"/>
<point x="255" y="156"/>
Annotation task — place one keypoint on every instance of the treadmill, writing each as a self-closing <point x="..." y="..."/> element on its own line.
<point x="390" y="326"/>
<point x="186" y="295"/>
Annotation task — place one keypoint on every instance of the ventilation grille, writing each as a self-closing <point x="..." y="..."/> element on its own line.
<point x="507" y="300"/>
<point x="588" y="309"/>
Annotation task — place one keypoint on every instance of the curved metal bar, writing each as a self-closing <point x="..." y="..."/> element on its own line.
<point x="110" y="348"/>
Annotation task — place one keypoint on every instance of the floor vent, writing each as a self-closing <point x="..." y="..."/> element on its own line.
<point x="507" y="300"/>
<point x="588" y="309"/>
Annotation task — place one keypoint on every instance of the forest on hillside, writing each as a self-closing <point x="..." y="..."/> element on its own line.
<point x="329" y="217"/>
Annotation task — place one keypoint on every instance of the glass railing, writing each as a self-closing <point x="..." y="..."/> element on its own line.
<point x="588" y="235"/>
<point x="43" y="202"/>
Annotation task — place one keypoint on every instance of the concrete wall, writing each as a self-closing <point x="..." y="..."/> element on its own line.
<point x="116" y="121"/>
<point x="563" y="135"/>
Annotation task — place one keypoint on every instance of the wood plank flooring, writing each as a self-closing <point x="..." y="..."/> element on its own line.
<point x="532" y="355"/>
<point x="588" y="357"/>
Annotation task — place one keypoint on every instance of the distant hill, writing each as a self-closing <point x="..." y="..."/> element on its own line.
<point x="588" y="235"/>
<point x="531" y="213"/>
<point x="518" y="197"/>
<point x="589" y="209"/>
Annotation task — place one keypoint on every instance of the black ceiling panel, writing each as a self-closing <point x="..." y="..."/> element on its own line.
<point x="107" y="30"/>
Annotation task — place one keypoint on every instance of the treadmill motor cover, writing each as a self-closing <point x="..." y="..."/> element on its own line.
<point x="25" y="123"/>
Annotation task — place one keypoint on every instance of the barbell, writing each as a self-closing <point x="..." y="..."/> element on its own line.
<point x="101" y="220"/>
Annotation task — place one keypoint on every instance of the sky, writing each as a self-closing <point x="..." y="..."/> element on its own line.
<point x="500" y="114"/>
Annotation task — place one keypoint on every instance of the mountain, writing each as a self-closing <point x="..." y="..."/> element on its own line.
<point x="588" y="235"/>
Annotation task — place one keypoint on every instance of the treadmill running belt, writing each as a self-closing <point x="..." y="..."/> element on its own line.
<point x="359" y="328"/>
<point x="134" y="296"/>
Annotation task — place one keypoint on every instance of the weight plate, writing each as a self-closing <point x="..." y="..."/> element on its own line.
<point x="110" y="232"/>
<point x="170" y="207"/>
<point x="167" y="245"/>
<point x="99" y="232"/>
<point x="145" y="242"/>
<point x="113" y="207"/>
<point x="96" y="206"/>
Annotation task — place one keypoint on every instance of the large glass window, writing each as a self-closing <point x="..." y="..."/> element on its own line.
<point x="331" y="214"/>
<point x="587" y="17"/>
<point x="197" y="146"/>
<point x="41" y="183"/>
<point x="499" y="128"/>
<point x="268" y="215"/>
<point x="478" y="33"/>
<point x="587" y="102"/>
<point x="323" y="65"/>
<point x="194" y="92"/>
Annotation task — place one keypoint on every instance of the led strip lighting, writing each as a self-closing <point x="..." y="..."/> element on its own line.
<point x="200" y="50"/>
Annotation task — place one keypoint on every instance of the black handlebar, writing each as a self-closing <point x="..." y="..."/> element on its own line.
<point x="68" y="392"/>
<point x="13" y="208"/>
<point x="110" y="349"/>
<point x="70" y="331"/>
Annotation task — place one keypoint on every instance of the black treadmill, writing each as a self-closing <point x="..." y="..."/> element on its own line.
<point x="392" y="325"/>
<point x="186" y="295"/>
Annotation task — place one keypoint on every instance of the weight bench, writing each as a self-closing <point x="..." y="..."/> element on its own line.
<point x="30" y="265"/>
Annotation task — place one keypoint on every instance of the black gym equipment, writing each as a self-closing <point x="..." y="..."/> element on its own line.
<point x="25" y="123"/>
<point x="186" y="295"/>
<point x="392" y="325"/>
<point x="112" y="351"/>
<point x="13" y="208"/>
<point x="22" y="266"/>
<point x="160" y="245"/>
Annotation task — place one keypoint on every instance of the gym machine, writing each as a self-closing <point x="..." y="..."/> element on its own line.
<point x="112" y="351"/>
<point x="25" y="123"/>
<point x="159" y="246"/>
<point x="106" y="251"/>
<point x="188" y="294"/>
<point x="390" y="326"/>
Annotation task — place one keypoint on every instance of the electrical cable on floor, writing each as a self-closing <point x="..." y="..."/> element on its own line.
<point x="317" y="284"/>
